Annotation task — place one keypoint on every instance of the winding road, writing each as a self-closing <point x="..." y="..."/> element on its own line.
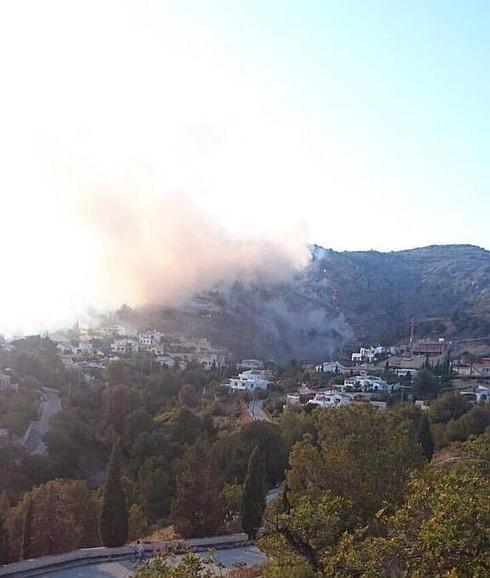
<point x="256" y="410"/>
<point x="50" y="405"/>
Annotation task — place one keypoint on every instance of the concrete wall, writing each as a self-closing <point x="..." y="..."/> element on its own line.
<point x="46" y="564"/>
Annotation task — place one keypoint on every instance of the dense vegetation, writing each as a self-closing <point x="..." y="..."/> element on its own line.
<point x="362" y="501"/>
<point x="137" y="448"/>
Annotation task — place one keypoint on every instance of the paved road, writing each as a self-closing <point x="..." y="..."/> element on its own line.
<point x="273" y="494"/>
<point x="50" y="405"/>
<point x="256" y="410"/>
<point x="123" y="569"/>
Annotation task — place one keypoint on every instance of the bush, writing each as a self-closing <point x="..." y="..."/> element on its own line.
<point x="449" y="406"/>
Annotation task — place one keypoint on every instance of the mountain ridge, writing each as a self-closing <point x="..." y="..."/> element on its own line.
<point x="342" y="299"/>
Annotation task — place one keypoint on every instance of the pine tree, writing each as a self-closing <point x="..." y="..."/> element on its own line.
<point x="197" y="509"/>
<point x="27" y="530"/>
<point x="253" y="500"/>
<point x="4" y="541"/>
<point x="113" y="524"/>
<point x="425" y="437"/>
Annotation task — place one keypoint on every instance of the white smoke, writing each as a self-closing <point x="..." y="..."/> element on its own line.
<point x="160" y="251"/>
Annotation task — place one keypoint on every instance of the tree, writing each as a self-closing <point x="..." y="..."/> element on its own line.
<point x="196" y="507"/>
<point x="387" y="367"/>
<point x="4" y="540"/>
<point x="294" y="425"/>
<point x="425" y="437"/>
<point x="441" y="530"/>
<point x="67" y="438"/>
<point x="154" y="487"/>
<point x="253" y="499"/>
<point x="297" y="540"/>
<point x="138" y="523"/>
<point x="231" y="498"/>
<point x="27" y="530"/>
<point x="185" y="427"/>
<point x="136" y="423"/>
<point x="119" y="403"/>
<point x="190" y="566"/>
<point x="188" y="396"/>
<point x="448" y="406"/>
<point x="55" y="517"/>
<point x="234" y="451"/>
<point x="366" y="456"/>
<point x="306" y="473"/>
<point x="426" y="384"/>
<point x="113" y="523"/>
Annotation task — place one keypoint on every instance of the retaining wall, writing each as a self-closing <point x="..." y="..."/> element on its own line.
<point x="44" y="565"/>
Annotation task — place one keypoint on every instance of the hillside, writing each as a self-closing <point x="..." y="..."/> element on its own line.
<point x="379" y="293"/>
<point x="342" y="299"/>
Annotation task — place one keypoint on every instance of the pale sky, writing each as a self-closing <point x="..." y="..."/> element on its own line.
<point x="355" y="125"/>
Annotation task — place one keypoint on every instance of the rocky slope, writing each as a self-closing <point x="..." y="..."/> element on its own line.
<point x="343" y="299"/>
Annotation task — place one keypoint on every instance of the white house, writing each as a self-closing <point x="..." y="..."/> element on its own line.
<point x="293" y="399"/>
<point x="332" y="367"/>
<point x="216" y="359"/>
<point x="369" y="383"/>
<point x="250" y="364"/>
<point x="197" y="343"/>
<point x="64" y="347"/>
<point x="364" y="354"/>
<point x="67" y="361"/>
<point x="303" y="395"/>
<point x="126" y="346"/>
<point x="6" y="383"/>
<point x="248" y="381"/>
<point x="150" y="338"/>
<point x="378" y="404"/>
<point x="369" y="354"/>
<point x="479" y="395"/>
<point x="330" y="399"/>
<point x="85" y="348"/>
<point x="125" y="331"/>
<point x="406" y="371"/>
<point x="166" y="360"/>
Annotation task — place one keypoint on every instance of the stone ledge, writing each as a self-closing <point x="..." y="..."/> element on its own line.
<point x="46" y="564"/>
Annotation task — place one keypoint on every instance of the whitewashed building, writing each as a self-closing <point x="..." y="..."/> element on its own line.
<point x="248" y="381"/>
<point x="213" y="359"/>
<point x="7" y="385"/>
<point x="125" y="346"/>
<point x="250" y="364"/>
<point x="330" y="399"/>
<point x="369" y="383"/>
<point x="331" y="367"/>
<point x="166" y="360"/>
<point x="480" y="394"/>
<point x="150" y="338"/>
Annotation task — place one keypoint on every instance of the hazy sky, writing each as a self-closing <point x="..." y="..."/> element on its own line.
<point x="356" y="125"/>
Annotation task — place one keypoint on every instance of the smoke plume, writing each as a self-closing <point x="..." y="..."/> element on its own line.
<point x="160" y="251"/>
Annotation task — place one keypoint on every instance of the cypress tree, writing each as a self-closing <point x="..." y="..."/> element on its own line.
<point x="113" y="523"/>
<point x="27" y="531"/>
<point x="4" y="541"/>
<point x="425" y="437"/>
<point x="387" y="367"/>
<point x="253" y="499"/>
